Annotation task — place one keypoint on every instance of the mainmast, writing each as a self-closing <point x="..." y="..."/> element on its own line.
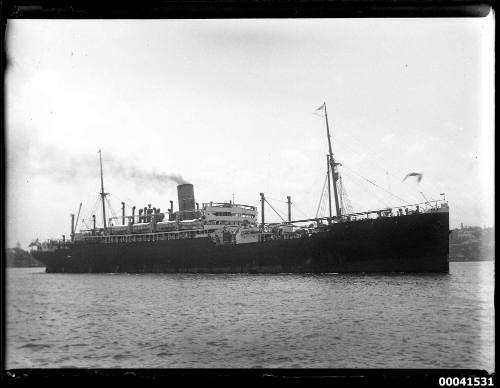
<point x="329" y="185"/>
<point x="333" y="166"/>
<point x="103" y="194"/>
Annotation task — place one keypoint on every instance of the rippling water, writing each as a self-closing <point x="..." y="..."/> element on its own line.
<point x="270" y="321"/>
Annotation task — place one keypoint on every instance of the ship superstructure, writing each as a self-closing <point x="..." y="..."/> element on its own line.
<point x="189" y="221"/>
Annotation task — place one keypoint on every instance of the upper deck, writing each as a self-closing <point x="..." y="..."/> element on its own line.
<point x="218" y="214"/>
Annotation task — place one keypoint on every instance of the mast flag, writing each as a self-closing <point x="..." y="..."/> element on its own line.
<point x="322" y="106"/>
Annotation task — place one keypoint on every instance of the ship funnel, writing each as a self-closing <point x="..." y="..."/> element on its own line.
<point x="185" y="195"/>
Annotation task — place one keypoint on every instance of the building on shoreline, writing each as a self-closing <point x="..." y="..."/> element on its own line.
<point x="472" y="243"/>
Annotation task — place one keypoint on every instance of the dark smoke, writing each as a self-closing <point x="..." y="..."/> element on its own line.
<point x="39" y="159"/>
<point x="142" y="177"/>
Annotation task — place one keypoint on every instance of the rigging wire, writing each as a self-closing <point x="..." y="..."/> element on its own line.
<point x="374" y="194"/>
<point x="78" y="216"/>
<point x="426" y="200"/>
<point x="278" y="200"/>
<point x="346" y="202"/>
<point x="374" y="159"/>
<point x="341" y="195"/>
<point x="265" y="199"/>
<point x="305" y="198"/>
<point x="96" y="204"/>
<point x="374" y="184"/>
<point x="113" y="213"/>
<point x="94" y="208"/>
<point x="84" y="222"/>
<point x="293" y="205"/>
<point x="300" y="211"/>
<point x="322" y="212"/>
<point x="319" y="210"/>
<point x="321" y="196"/>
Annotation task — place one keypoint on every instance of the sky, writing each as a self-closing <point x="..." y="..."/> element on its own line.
<point x="230" y="106"/>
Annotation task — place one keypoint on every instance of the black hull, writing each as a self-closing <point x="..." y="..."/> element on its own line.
<point x="413" y="243"/>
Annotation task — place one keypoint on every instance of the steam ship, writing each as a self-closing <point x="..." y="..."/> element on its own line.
<point x="226" y="237"/>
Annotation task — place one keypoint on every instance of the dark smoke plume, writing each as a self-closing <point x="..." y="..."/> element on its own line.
<point x="39" y="159"/>
<point x="142" y="177"/>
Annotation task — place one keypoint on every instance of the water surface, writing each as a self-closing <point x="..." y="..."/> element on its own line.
<point x="248" y="321"/>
